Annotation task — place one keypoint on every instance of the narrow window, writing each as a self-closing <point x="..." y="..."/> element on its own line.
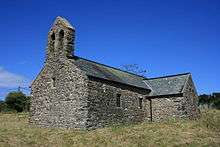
<point x="140" y="103"/>
<point x="118" y="100"/>
<point x="53" y="82"/>
<point x="151" y="113"/>
<point x="51" y="48"/>
<point x="53" y="36"/>
<point x="61" y="34"/>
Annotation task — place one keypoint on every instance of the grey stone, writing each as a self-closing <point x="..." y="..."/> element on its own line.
<point x="66" y="94"/>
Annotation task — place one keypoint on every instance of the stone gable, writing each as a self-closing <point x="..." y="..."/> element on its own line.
<point x="72" y="92"/>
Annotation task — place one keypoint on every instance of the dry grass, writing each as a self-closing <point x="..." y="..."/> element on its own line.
<point x="15" y="131"/>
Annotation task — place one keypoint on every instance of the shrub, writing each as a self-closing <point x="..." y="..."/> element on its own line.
<point x="17" y="101"/>
<point x="2" y="106"/>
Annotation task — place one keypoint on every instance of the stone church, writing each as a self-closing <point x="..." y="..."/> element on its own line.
<point x="73" y="92"/>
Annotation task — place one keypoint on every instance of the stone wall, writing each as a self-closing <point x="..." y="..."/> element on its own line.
<point x="59" y="93"/>
<point x="168" y="107"/>
<point x="63" y="96"/>
<point x="56" y="103"/>
<point x="191" y="98"/>
<point x="102" y="105"/>
<point x="185" y="106"/>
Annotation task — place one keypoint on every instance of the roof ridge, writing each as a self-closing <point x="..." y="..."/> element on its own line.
<point x="168" y="76"/>
<point x="108" y="66"/>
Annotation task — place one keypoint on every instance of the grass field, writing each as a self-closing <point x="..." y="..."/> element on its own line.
<point x="15" y="131"/>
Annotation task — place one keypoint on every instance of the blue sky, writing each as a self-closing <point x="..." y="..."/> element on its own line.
<point x="164" y="37"/>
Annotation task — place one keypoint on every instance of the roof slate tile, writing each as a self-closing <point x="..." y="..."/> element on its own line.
<point x="98" y="70"/>
<point x="167" y="85"/>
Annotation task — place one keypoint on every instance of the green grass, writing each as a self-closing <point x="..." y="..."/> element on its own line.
<point x="15" y="131"/>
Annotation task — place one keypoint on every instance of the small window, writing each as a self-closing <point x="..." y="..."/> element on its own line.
<point x="53" y="82"/>
<point x="118" y="100"/>
<point x="53" y="36"/>
<point x="61" y="34"/>
<point x="140" y="103"/>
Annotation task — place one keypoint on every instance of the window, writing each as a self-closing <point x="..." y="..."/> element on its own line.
<point x="53" y="81"/>
<point x="118" y="100"/>
<point x="61" y="34"/>
<point x="151" y="113"/>
<point x="53" y="36"/>
<point x="52" y="43"/>
<point x="140" y="103"/>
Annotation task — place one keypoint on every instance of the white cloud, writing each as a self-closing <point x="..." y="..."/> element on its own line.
<point x="11" y="80"/>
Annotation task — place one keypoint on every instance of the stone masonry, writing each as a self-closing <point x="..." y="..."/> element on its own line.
<point x="72" y="92"/>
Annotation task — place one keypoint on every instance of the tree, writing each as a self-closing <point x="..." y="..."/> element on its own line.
<point x="204" y="99"/>
<point x="216" y="100"/>
<point x="134" y="68"/>
<point x="3" y="106"/>
<point x="16" y="101"/>
<point x="212" y="101"/>
<point x="216" y="103"/>
<point x="27" y="103"/>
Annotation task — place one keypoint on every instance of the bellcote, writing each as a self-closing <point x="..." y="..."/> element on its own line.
<point x="60" y="39"/>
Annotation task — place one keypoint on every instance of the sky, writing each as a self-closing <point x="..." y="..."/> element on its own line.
<point x="163" y="37"/>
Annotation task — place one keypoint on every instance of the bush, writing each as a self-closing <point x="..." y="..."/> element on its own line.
<point x="216" y="103"/>
<point x="213" y="101"/>
<point x="17" y="101"/>
<point x="2" y="106"/>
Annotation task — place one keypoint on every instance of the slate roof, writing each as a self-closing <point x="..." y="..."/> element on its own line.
<point x="167" y="85"/>
<point x="160" y="86"/>
<point x="102" y="71"/>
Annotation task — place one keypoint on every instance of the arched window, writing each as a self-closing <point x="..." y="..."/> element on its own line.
<point x="53" y="36"/>
<point x="61" y="34"/>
